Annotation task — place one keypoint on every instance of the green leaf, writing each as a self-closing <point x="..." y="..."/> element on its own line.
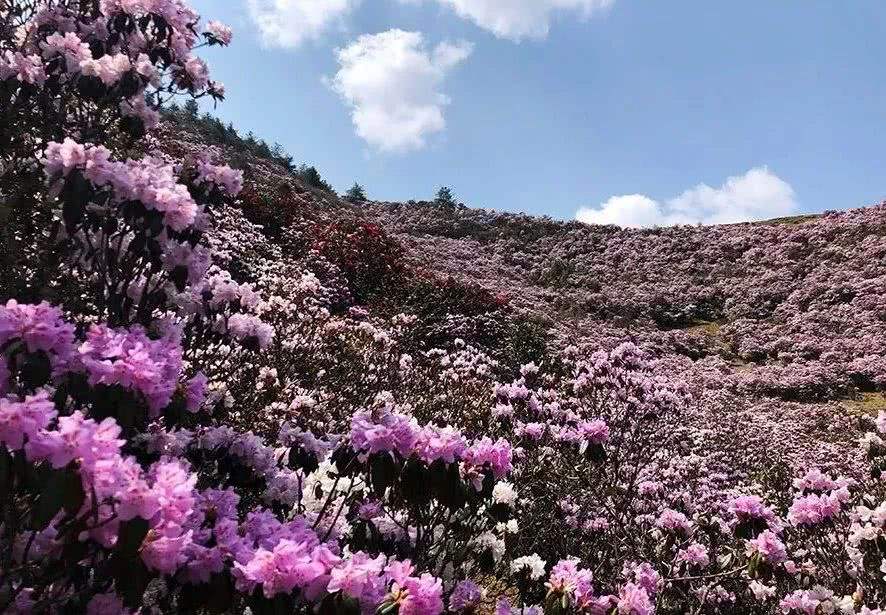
<point x="131" y="536"/>
<point x="221" y="593"/>
<point x="74" y="495"/>
<point x="131" y="578"/>
<point x="413" y="483"/>
<point x="383" y="472"/>
<point x="51" y="500"/>
<point x="6" y="477"/>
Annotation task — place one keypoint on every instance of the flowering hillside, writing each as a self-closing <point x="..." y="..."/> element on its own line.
<point x="225" y="390"/>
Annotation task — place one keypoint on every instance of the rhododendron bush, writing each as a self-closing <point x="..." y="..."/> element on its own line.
<point x="204" y="411"/>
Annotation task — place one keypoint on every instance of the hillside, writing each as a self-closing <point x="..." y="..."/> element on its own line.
<point x="224" y="389"/>
<point x="753" y="316"/>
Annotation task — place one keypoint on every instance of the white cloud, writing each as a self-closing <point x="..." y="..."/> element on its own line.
<point x="289" y="23"/>
<point x="519" y="19"/>
<point x="759" y="194"/>
<point x="391" y="82"/>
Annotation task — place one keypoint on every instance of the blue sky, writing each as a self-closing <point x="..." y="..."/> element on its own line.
<point x="639" y="112"/>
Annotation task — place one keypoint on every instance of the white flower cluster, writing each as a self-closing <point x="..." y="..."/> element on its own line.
<point x="504" y="493"/>
<point x="533" y="563"/>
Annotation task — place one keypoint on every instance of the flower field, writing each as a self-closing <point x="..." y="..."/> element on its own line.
<point x="223" y="390"/>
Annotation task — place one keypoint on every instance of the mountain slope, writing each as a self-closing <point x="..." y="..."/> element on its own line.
<point x="754" y="316"/>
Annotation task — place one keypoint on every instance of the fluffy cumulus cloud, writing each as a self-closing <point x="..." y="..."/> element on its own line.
<point x="759" y="194"/>
<point x="391" y="81"/>
<point x="288" y="23"/>
<point x="519" y="19"/>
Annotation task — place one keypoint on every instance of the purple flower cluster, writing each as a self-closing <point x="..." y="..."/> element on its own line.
<point x="40" y="328"/>
<point x="466" y="595"/>
<point x="769" y="547"/>
<point x="149" y="180"/>
<point x="496" y="456"/>
<point x="384" y="431"/>
<point x="642" y="444"/>
<point x="130" y="359"/>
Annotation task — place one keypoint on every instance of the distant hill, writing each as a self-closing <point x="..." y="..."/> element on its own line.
<point x="763" y="305"/>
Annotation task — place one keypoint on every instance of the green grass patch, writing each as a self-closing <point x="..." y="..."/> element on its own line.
<point x="867" y="403"/>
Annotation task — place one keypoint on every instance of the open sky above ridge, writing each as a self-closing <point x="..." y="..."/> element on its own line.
<point x="624" y="111"/>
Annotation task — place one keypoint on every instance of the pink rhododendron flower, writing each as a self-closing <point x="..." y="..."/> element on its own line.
<point x="673" y="521"/>
<point x="813" y="509"/>
<point x="40" y="327"/>
<point x="220" y="32"/>
<point x="25" y="68"/>
<point x="21" y="421"/>
<point x="633" y="600"/>
<point x="694" y="555"/>
<point x="70" y="46"/>
<point x="387" y="432"/>
<point x="133" y="361"/>
<point x="769" y="546"/>
<point x="496" y="456"/>
<point x="109" y="68"/>
<point x="444" y="443"/>
<point x="466" y="595"/>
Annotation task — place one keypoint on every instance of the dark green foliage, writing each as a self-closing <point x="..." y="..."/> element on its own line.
<point x="444" y="197"/>
<point x="191" y="108"/>
<point x="311" y="176"/>
<point x="356" y="194"/>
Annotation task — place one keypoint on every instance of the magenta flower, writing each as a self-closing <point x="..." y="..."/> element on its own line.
<point x="227" y="179"/>
<point x="595" y="432"/>
<point x="165" y="554"/>
<point x="289" y="565"/>
<point x="466" y="595"/>
<point x="644" y="575"/>
<point x="496" y="456"/>
<point x="130" y="359"/>
<point x="769" y="546"/>
<point x="533" y="431"/>
<point x="801" y="602"/>
<point x="384" y="432"/>
<point x="22" y="421"/>
<point x="694" y="555"/>
<point x="25" y="68"/>
<point x="633" y="600"/>
<point x="418" y="595"/>
<point x="748" y="507"/>
<point x="672" y="521"/>
<point x="148" y="180"/>
<point x="567" y="578"/>
<point x="813" y="509"/>
<point x="444" y="443"/>
<point x="40" y="328"/>
<point x="219" y="32"/>
<point x="70" y="46"/>
<point x="360" y="577"/>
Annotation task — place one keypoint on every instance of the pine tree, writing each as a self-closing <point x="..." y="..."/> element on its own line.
<point x="191" y="108"/>
<point x="355" y="194"/>
<point x="444" y="198"/>
<point x="311" y="176"/>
